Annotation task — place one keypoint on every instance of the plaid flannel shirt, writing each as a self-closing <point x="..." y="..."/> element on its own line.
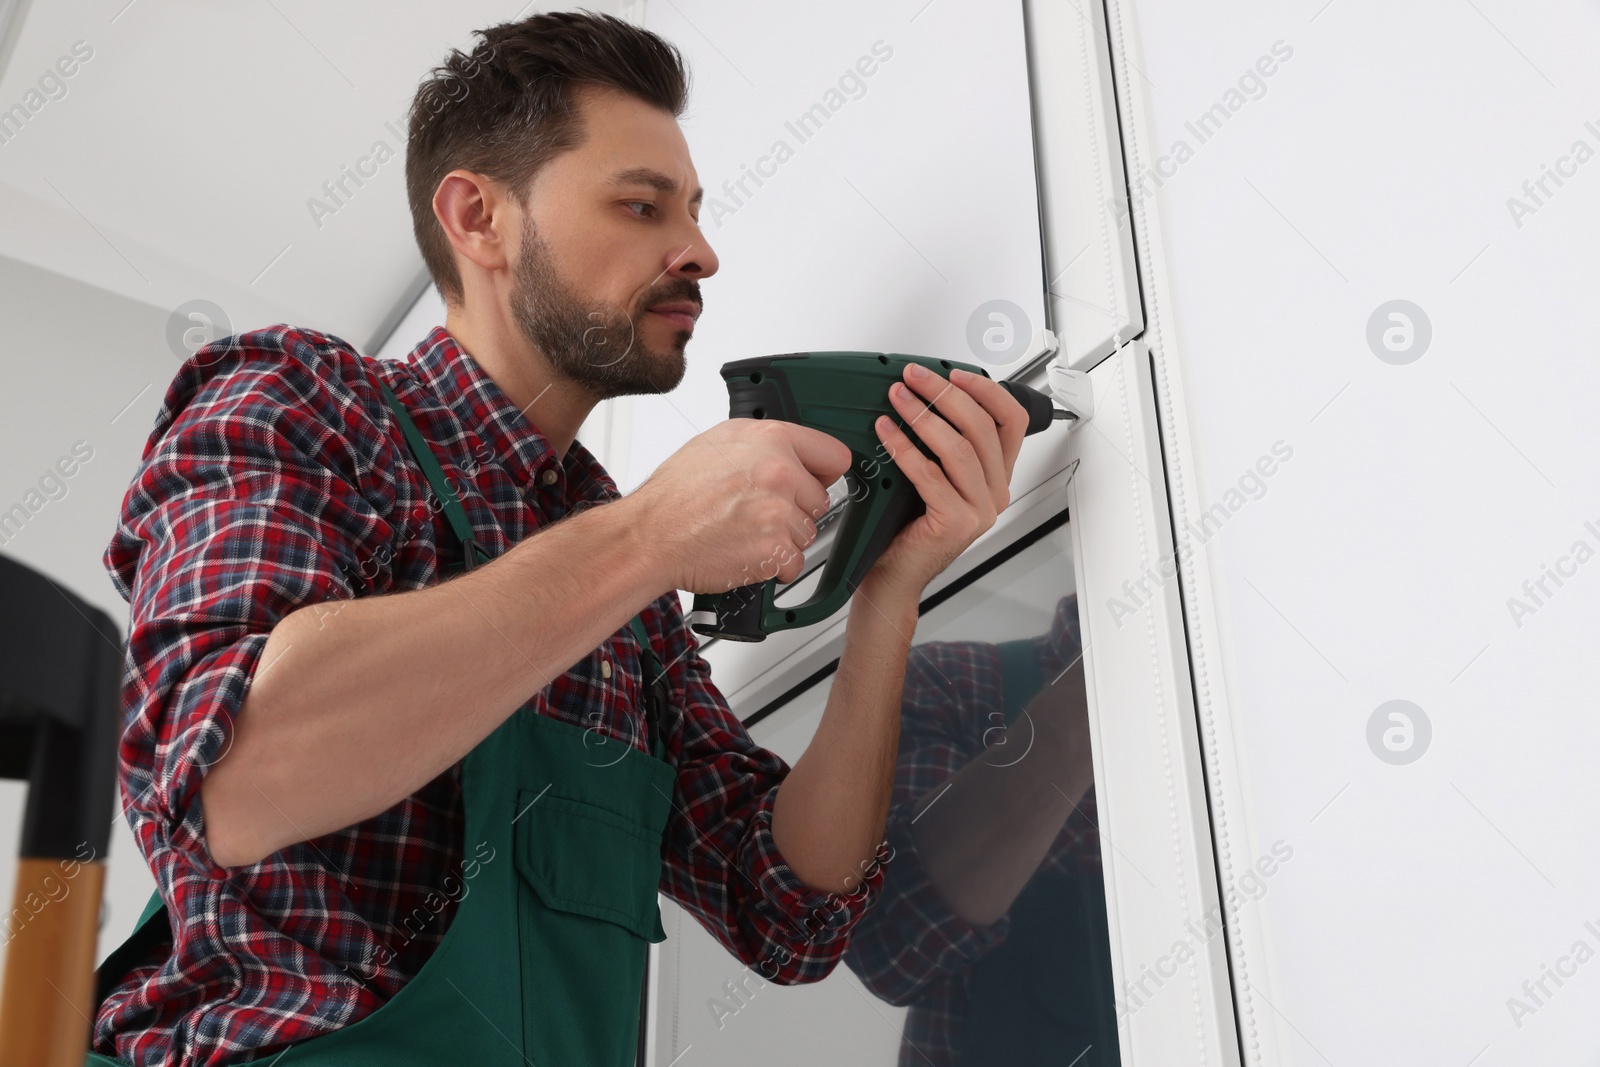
<point x="276" y="477"/>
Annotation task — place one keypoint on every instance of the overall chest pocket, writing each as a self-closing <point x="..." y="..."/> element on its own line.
<point x="586" y="915"/>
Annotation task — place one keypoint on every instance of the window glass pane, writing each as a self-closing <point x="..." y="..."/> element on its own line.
<point x="989" y="942"/>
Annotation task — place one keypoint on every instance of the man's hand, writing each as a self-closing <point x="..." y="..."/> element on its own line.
<point x="739" y="503"/>
<point x="975" y="428"/>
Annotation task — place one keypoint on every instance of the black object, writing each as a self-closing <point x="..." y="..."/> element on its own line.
<point x="60" y="699"/>
<point x="1041" y="409"/>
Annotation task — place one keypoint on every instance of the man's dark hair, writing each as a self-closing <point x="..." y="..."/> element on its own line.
<point x="508" y="108"/>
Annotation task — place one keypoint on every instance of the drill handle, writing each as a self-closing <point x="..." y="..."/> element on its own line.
<point x="882" y="502"/>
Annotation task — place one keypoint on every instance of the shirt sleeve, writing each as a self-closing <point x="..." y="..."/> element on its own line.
<point x="722" y="863"/>
<point x="953" y="708"/>
<point x="244" y="507"/>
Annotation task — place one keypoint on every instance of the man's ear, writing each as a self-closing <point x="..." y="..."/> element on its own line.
<point x="477" y="216"/>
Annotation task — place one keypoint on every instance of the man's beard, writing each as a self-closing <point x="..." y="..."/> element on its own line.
<point x="597" y="345"/>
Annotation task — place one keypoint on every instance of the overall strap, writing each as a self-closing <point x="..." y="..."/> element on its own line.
<point x="152" y="928"/>
<point x="420" y="451"/>
<point x="657" y="690"/>
<point x="658" y="693"/>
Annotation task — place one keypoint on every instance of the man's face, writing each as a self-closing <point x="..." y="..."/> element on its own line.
<point x="601" y="246"/>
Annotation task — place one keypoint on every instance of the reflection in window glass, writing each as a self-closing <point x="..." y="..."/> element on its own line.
<point x="989" y="943"/>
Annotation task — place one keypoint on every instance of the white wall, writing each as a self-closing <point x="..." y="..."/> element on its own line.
<point x="81" y="365"/>
<point x="1378" y="561"/>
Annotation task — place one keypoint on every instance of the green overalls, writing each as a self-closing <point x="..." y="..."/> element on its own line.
<point x="543" y="961"/>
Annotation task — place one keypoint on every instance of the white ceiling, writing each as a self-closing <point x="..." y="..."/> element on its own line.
<point x="179" y="163"/>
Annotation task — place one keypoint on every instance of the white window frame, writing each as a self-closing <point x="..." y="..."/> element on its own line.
<point x="1259" y="1033"/>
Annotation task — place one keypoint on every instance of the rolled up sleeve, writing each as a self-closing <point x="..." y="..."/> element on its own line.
<point x="722" y="863"/>
<point x="245" y="506"/>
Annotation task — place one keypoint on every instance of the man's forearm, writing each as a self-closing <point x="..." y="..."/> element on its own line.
<point x="356" y="704"/>
<point x="830" y="812"/>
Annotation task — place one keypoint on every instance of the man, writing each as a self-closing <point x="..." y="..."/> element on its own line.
<point x="399" y="820"/>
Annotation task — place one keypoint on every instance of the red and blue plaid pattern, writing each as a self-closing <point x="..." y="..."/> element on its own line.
<point x="276" y="477"/>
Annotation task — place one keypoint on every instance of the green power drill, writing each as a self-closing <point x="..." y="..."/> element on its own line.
<point x="842" y="394"/>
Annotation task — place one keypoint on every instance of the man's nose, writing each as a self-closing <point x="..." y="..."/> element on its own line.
<point x="692" y="256"/>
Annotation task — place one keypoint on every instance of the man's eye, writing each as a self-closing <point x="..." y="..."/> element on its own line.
<point x="644" y="203"/>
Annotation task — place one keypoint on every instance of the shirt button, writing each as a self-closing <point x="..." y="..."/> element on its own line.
<point x="549" y="476"/>
<point x="605" y="668"/>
